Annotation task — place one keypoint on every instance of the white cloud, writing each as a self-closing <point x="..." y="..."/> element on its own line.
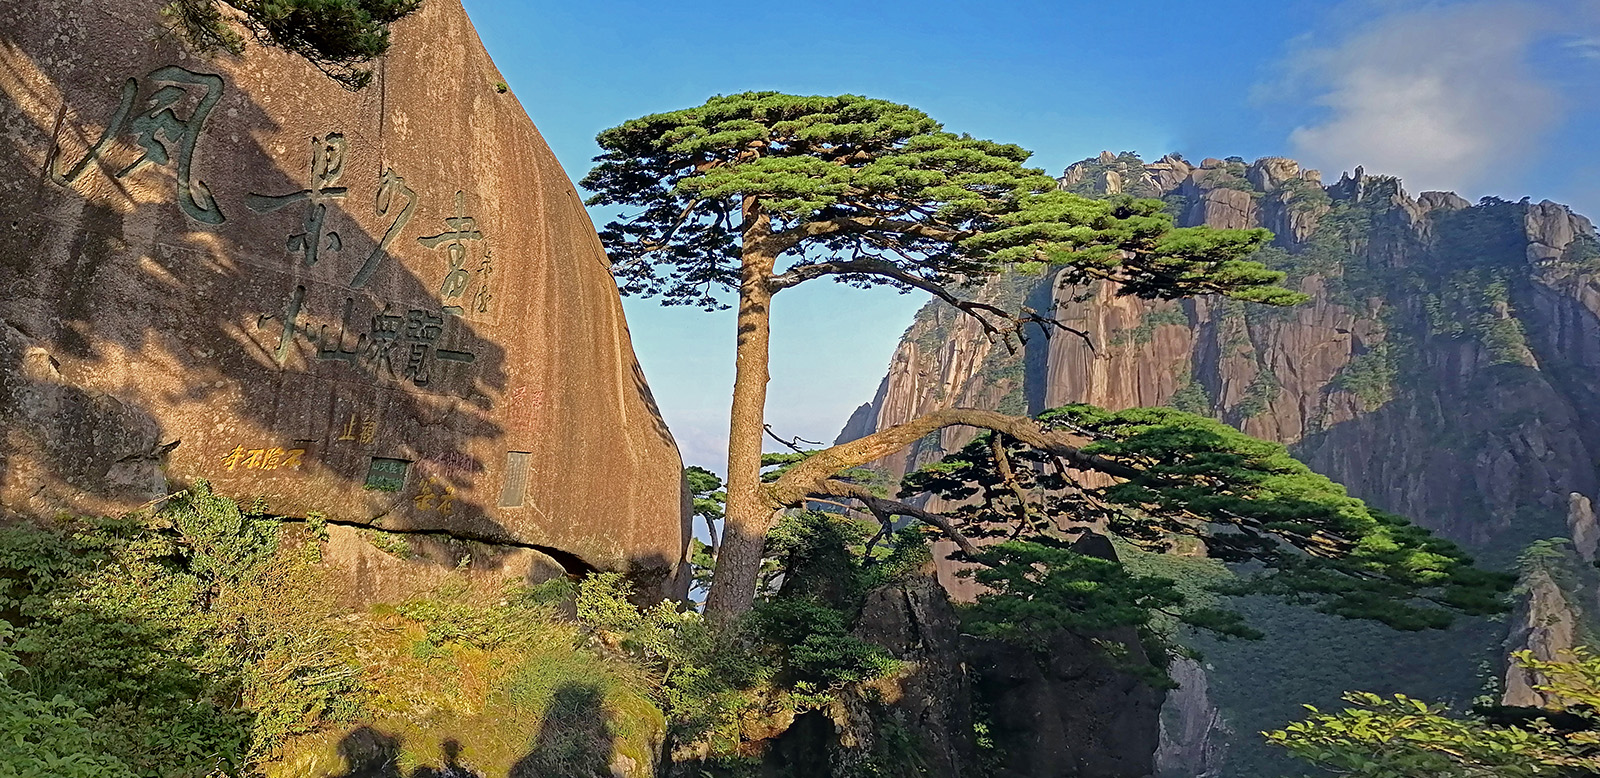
<point x="1441" y="95"/>
<point x="1587" y="48"/>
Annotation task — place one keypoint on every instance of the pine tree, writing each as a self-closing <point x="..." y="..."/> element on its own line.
<point x="760" y="192"/>
<point x="338" y="36"/>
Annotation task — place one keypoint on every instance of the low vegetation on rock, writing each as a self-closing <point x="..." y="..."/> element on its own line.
<point x="337" y="36"/>
<point x="199" y="637"/>
<point x="202" y="640"/>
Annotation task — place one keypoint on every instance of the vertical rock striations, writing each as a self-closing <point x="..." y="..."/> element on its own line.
<point x="1557" y="603"/>
<point x="1544" y="623"/>
<point x="1193" y="733"/>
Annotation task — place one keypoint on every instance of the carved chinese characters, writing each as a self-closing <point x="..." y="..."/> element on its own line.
<point x="391" y="343"/>
<point x="161" y="132"/>
<point x="462" y="230"/>
<point x="386" y="475"/>
<point x="263" y="458"/>
<point x="159" y="121"/>
<point x="227" y="267"/>
<point x="390" y="191"/>
<point x="436" y="495"/>
<point x="327" y="165"/>
<point x="357" y="428"/>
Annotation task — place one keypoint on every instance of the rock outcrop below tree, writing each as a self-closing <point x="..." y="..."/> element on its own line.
<point x="1193" y="733"/>
<point x="966" y="706"/>
<point x="387" y="306"/>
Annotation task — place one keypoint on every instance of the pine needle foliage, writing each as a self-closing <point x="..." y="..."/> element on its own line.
<point x="886" y="188"/>
<point x="1247" y="500"/>
<point x="1034" y="589"/>
<point x="337" y="36"/>
<point x="1403" y="737"/>
<point x="758" y="192"/>
<point x="706" y="489"/>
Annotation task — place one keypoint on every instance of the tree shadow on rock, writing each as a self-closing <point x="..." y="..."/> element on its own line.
<point x="147" y="333"/>
<point x="452" y="764"/>
<point x="576" y="739"/>
<point x="370" y="753"/>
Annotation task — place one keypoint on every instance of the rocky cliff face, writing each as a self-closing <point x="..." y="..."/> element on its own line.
<point x="1193" y="736"/>
<point x="1558" y="603"/>
<point x="1442" y="370"/>
<point x="1447" y="367"/>
<point x="968" y="706"/>
<point x="388" y="306"/>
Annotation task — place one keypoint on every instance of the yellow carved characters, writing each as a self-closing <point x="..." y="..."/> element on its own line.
<point x="437" y="496"/>
<point x="364" y="430"/>
<point x="263" y="458"/>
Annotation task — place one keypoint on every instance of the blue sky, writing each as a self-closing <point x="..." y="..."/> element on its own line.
<point x="1494" y="97"/>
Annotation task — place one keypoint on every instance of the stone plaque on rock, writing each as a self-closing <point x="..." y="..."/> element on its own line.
<point x="388" y="306"/>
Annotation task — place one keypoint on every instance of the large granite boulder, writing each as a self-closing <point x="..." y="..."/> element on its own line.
<point x="388" y="306"/>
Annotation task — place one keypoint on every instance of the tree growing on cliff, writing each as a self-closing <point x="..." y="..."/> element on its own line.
<point x="760" y="192"/>
<point x="338" y="36"/>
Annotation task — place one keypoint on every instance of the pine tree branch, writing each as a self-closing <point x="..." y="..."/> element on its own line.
<point x="665" y="241"/>
<point x="711" y="529"/>
<point x="981" y="312"/>
<point x="1002" y="464"/>
<point x="865" y="224"/>
<point x="884" y="509"/>
<point x="793" y="444"/>
<point x="809" y="476"/>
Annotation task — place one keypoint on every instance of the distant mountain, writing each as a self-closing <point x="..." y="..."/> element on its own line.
<point x="1447" y="369"/>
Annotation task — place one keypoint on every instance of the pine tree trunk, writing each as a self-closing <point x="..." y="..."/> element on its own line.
<point x="749" y="511"/>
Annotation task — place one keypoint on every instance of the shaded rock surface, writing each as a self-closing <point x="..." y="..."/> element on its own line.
<point x="1557" y="604"/>
<point x="388" y="305"/>
<point x="1545" y="624"/>
<point x="1193" y="738"/>
<point x="1066" y="712"/>
<point x="1582" y="527"/>
<point x="916" y="622"/>
<point x="1072" y="716"/>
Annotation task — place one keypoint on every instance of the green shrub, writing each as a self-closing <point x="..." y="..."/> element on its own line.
<point x="1304" y="196"/>
<point x="47" y="736"/>
<point x="334" y="35"/>
<point x="1370" y="376"/>
<point x="1145" y="331"/>
<point x="706" y="679"/>
<point x="1191" y="396"/>
<point x="1258" y="396"/>
<point x="794" y="650"/>
<point x="166" y="632"/>
<point x="203" y="642"/>
<point x="813" y="647"/>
